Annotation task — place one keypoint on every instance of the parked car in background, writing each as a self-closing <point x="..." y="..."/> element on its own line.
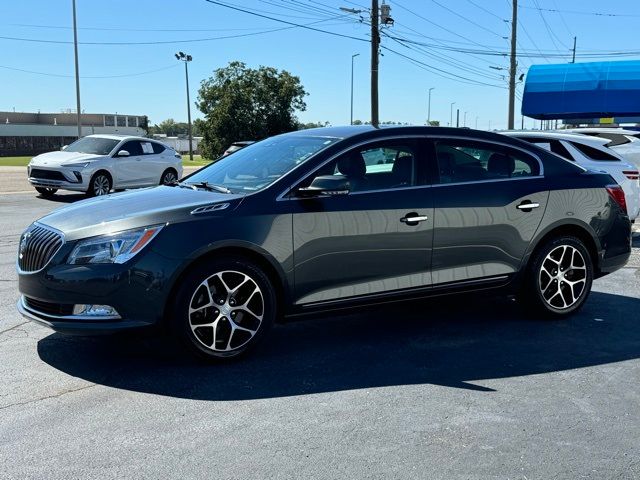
<point x="624" y="142"/>
<point x="310" y="221"/>
<point x="590" y="152"/>
<point x="235" y="146"/>
<point x="97" y="164"/>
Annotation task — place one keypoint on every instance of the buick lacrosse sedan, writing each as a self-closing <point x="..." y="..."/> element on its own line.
<point x="323" y="219"/>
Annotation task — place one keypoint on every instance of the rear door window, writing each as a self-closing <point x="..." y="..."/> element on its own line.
<point x="462" y="161"/>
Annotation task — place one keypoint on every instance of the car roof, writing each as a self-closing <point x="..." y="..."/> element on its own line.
<point x="612" y="130"/>
<point x="572" y="137"/>
<point x="122" y="137"/>
<point x="368" y="132"/>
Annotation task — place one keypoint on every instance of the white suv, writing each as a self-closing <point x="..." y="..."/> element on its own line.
<point x="96" y="164"/>
<point x="590" y="153"/>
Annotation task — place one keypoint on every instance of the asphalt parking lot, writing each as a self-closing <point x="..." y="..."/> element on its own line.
<point x="464" y="388"/>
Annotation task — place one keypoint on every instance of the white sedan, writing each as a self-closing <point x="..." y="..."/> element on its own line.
<point x="592" y="153"/>
<point x="97" y="164"/>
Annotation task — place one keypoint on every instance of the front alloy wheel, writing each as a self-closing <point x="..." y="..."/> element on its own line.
<point x="224" y="309"/>
<point x="561" y="276"/>
<point x="100" y="185"/>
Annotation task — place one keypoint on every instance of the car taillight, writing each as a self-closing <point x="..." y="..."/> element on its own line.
<point x="616" y="192"/>
<point x="631" y="174"/>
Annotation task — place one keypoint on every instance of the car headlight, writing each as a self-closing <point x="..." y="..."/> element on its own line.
<point x="116" y="248"/>
<point x="77" y="165"/>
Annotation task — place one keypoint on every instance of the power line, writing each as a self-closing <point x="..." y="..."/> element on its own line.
<point x="446" y="60"/>
<point x="467" y="19"/>
<point x="441" y="72"/>
<point x="48" y="74"/>
<point x="487" y="11"/>
<point x="193" y="40"/>
<point x="548" y="28"/>
<point x="306" y="27"/>
<point x="576" y="12"/>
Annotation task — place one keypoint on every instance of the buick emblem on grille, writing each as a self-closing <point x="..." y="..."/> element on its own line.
<point x="23" y="244"/>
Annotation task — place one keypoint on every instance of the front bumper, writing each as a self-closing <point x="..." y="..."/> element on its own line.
<point x="61" y="178"/>
<point x="76" y="325"/>
<point x="138" y="290"/>
<point x="60" y="184"/>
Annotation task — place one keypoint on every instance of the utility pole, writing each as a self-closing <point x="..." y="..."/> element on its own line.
<point x="429" y="107"/>
<point x="183" y="57"/>
<point x="375" y="47"/>
<point x="464" y="122"/>
<point x="575" y="39"/>
<point x="352" y="57"/>
<point x="457" y="117"/>
<point x="75" y="51"/>
<point x="512" y="66"/>
<point x="451" y="114"/>
<point x="379" y="14"/>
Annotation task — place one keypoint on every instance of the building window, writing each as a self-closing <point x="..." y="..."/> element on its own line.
<point x="132" y="121"/>
<point x="121" y="121"/>
<point x="109" y="121"/>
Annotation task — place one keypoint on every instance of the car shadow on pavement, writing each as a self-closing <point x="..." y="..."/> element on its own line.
<point x="451" y="343"/>
<point x="64" y="198"/>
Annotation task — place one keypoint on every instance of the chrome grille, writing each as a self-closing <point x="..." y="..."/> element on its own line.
<point x="37" y="246"/>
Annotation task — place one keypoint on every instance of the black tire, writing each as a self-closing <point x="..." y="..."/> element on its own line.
<point x="100" y="184"/>
<point x="46" y="191"/>
<point x="552" y="287"/>
<point x="195" y="319"/>
<point x="168" y="176"/>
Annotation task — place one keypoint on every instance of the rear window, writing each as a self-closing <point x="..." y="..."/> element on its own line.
<point x="551" y="145"/>
<point x="594" y="153"/>
<point x="157" y="148"/>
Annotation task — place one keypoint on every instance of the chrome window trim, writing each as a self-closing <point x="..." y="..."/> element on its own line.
<point x="490" y="180"/>
<point x="46" y="227"/>
<point x="282" y="195"/>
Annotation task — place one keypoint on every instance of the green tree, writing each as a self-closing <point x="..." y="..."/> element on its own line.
<point x="434" y="123"/>
<point x="306" y="126"/>
<point x="241" y="103"/>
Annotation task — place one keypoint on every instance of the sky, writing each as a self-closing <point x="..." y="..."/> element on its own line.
<point x="456" y="47"/>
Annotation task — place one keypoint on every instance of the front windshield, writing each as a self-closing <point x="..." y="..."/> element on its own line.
<point x="93" y="145"/>
<point x="259" y="165"/>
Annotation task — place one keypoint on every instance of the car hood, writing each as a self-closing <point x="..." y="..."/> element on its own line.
<point x="56" y="159"/>
<point x="138" y="208"/>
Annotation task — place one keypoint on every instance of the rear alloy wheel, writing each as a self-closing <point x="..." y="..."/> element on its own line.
<point x="46" y="191"/>
<point x="99" y="185"/>
<point x="561" y="276"/>
<point x="168" y="177"/>
<point x="223" y="309"/>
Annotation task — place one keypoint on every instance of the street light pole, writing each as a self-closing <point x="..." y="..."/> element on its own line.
<point x="451" y="114"/>
<point x="75" y="51"/>
<point x="352" y="57"/>
<point x="464" y="121"/>
<point x="429" y="107"/>
<point x="183" y="57"/>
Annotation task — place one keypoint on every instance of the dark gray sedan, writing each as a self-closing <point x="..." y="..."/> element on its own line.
<point x="324" y="219"/>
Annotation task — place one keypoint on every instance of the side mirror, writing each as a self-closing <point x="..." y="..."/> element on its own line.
<point x="63" y="148"/>
<point x="325" y="186"/>
<point x="123" y="153"/>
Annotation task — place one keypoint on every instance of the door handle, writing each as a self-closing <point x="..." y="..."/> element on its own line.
<point x="527" y="206"/>
<point x="413" y="218"/>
